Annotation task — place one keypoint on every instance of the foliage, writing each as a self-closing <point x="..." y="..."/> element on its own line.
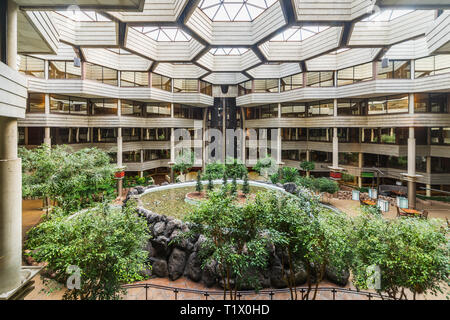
<point x="347" y="177"/>
<point x="371" y="210"/>
<point x="104" y="242"/>
<point x="214" y="171"/>
<point x="224" y="181"/>
<point x="72" y="180"/>
<point x="411" y="254"/>
<point x="184" y="162"/>
<point x="307" y="165"/>
<point x="245" y="185"/>
<point x="305" y="182"/>
<point x="233" y="189"/>
<point x="288" y="174"/>
<point x="199" y="185"/>
<point x="363" y="189"/>
<point x="436" y="198"/>
<point x="325" y="185"/>
<point x="233" y="236"/>
<point x="210" y="183"/>
<point x="235" y="168"/>
<point x="266" y="166"/>
<point x="133" y="181"/>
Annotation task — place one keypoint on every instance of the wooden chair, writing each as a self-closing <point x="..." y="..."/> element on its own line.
<point x="400" y="213"/>
<point x="424" y="214"/>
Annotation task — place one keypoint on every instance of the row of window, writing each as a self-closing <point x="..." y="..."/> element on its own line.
<point x="82" y="106"/>
<point x="423" y="103"/>
<point x="394" y="69"/>
<point x="68" y="70"/>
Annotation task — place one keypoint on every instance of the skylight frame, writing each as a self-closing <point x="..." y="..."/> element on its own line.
<point x="83" y="15"/>
<point x="387" y="15"/>
<point x="302" y="32"/>
<point x="228" y="51"/>
<point x="248" y="7"/>
<point x="164" y="34"/>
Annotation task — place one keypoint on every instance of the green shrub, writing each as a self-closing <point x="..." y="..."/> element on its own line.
<point x="347" y="177"/>
<point x="308" y="165"/>
<point x="214" y="171"/>
<point x="325" y="185"/>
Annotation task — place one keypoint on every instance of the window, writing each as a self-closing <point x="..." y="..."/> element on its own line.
<point x="104" y="107"/>
<point x="321" y="134"/>
<point x="292" y="82"/>
<point x="157" y="110"/>
<point x="245" y="88"/>
<point x="131" y="108"/>
<point x="131" y="156"/>
<point x="31" y="66"/>
<point x="206" y="88"/>
<point x="70" y="105"/>
<point x="265" y="85"/>
<point x="320" y="79"/>
<point x="351" y="107"/>
<point x="440" y="136"/>
<point x="263" y="112"/>
<point x="161" y="82"/>
<point x="134" y="79"/>
<point x="63" y="70"/>
<point x="106" y="135"/>
<point x="397" y="69"/>
<point x="321" y="108"/>
<point x="36" y="103"/>
<point x="392" y="104"/>
<point x="431" y="102"/>
<point x="101" y="74"/>
<point x="293" y="134"/>
<point x="187" y="112"/>
<point x="293" y="111"/>
<point x="158" y="134"/>
<point x="355" y="74"/>
<point x="185" y="85"/>
<point x="433" y="65"/>
<point x="131" y="134"/>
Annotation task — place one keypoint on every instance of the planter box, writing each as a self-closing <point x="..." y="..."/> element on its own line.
<point x="355" y="195"/>
<point x="402" y="202"/>
<point x="373" y="194"/>
<point x="383" y="205"/>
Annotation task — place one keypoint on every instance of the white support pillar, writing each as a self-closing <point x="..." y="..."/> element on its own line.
<point x="279" y="160"/>
<point x="308" y="158"/>
<point x="10" y="179"/>
<point x="47" y="137"/>
<point x="360" y="166"/>
<point x="428" y="186"/>
<point x="119" y="160"/>
<point x="335" y="148"/>
<point x="411" y="175"/>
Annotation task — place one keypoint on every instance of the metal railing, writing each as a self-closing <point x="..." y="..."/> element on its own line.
<point x="158" y="292"/>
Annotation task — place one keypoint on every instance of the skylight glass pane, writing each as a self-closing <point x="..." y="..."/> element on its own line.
<point x="82" y="16"/>
<point x="234" y="10"/>
<point x="228" y="51"/>
<point x="386" y="15"/>
<point x="299" y="33"/>
<point x="164" y="34"/>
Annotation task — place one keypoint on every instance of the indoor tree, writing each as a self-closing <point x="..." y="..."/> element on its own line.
<point x="184" y="161"/>
<point x="307" y="166"/>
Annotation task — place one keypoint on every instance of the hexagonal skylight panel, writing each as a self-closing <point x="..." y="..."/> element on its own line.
<point x="386" y="15"/>
<point x="234" y="10"/>
<point x="228" y="51"/>
<point x="298" y="33"/>
<point x="164" y="34"/>
<point x="82" y="16"/>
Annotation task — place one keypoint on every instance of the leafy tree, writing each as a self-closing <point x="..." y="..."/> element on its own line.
<point x="266" y="166"/>
<point x="104" y="242"/>
<point x="347" y="177"/>
<point x="235" y="168"/>
<point x="184" y="162"/>
<point x="234" y="238"/>
<point x="214" y="170"/>
<point x="246" y="186"/>
<point x="307" y="166"/>
<point x="325" y="185"/>
<point x="199" y="185"/>
<point x="233" y="189"/>
<point x="305" y="182"/>
<point x="411" y="254"/>
<point x="224" y="182"/>
<point x="210" y="184"/>
<point x="72" y="180"/>
<point x="287" y="174"/>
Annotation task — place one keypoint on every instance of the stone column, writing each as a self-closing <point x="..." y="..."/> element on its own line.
<point x="119" y="160"/>
<point x="10" y="179"/>
<point x="47" y="138"/>
<point x="172" y="154"/>
<point x="335" y="148"/>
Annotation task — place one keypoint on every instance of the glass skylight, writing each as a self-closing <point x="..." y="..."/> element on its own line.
<point x="340" y="50"/>
<point x="165" y="34"/>
<point x="82" y="16"/>
<point x="297" y="33"/>
<point x="234" y="10"/>
<point x="228" y="51"/>
<point x="387" y="15"/>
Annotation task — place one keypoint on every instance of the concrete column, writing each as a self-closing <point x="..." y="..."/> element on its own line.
<point x="46" y="69"/>
<point x="360" y="166"/>
<point x="47" y="103"/>
<point x="119" y="159"/>
<point x="10" y="179"/>
<point x="411" y="103"/>
<point x="335" y="148"/>
<point x="428" y="186"/>
<point x="413" y="69"/>
<point x="47" y="138"/>
<point x="411" y="175"/>
<point x="119" y="107"/>
<point x="308" y="158"/>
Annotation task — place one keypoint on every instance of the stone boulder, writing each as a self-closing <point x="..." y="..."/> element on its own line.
<point x="161" y="246"/>
<point x="194" y="267"/>
<point x="301" y="275"/>
<point x="159" y="268"/>
<point x="276" y="277"/>
<point x="171" y="226"/>
<point x="149" y="248"/>
<point x="159" y="228"/>
<point x="290" y="187"/>
<point x="209" y="275"/>
<point x="177" y="262"/>
<point x="337" y="277"/>
<point x="139" y="189"/>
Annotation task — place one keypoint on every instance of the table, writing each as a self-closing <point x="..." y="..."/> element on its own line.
<point x="411" y="212"/>
<point x="368" y="202"/>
